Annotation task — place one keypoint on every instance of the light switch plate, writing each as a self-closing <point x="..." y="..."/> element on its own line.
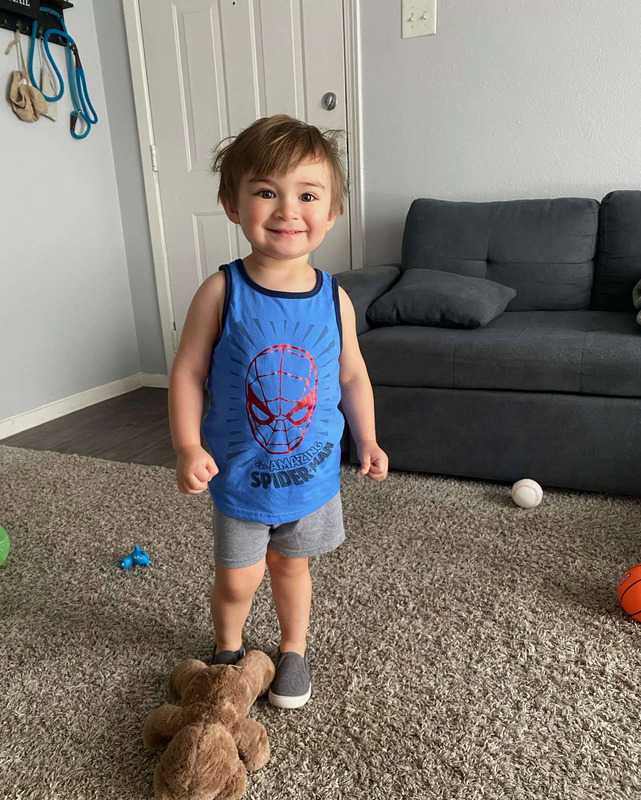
<point x="419" y="18"/>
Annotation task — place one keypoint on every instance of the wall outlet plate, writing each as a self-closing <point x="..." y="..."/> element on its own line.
<point x="418" y="18"/>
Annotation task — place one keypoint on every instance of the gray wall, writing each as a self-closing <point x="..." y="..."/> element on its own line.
<point x="114" y="58"/>
<point x="67" y="317"/>
<point x="511" y="98"/>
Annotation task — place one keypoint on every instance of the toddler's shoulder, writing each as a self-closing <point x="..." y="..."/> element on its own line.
<point x="346" y="304"/>
<point x="212" y="289"/>
<point x="207" y="305"/>
<point x="215" y="281"/>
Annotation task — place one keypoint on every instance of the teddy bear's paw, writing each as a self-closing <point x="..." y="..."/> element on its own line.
<point x="235" y="786"/>
<point x="161" y="726"/>
<point x="253" y="744"/>
<point x="201" y="763"/>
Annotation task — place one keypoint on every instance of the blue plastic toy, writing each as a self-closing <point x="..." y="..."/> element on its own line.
<point x="137" y="556"/>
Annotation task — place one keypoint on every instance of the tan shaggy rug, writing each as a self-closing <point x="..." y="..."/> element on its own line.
<point x="461" y="647"/>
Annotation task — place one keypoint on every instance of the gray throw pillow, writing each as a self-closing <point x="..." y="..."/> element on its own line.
<point x="442" y="299"/>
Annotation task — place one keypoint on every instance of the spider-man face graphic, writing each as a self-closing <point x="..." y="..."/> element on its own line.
<point x="280" y="390"/>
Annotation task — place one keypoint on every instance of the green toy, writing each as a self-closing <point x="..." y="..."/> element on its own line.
<point x="4" y="545"/>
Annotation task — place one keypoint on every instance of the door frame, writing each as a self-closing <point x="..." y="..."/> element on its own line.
<point x="352" y="46"/>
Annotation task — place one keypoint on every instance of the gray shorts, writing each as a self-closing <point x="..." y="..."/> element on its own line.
<point x="241" y="542"/>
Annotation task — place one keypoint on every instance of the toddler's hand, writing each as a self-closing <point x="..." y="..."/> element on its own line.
<point x="194" y="469"/>
<point x="373" y="460"/>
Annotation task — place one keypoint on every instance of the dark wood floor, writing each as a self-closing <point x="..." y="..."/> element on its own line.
<point x="133" y="428"/>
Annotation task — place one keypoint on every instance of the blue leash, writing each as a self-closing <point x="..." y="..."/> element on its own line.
<point x="82" y="108"/>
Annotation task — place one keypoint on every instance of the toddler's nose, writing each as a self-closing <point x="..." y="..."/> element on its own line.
<point x="287" y="209"/>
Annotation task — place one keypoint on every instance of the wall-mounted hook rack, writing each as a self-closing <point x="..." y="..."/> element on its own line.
<point x="21" y="14"/>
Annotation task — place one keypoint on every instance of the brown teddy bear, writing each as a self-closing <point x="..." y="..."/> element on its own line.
<point x="209" y="733"/>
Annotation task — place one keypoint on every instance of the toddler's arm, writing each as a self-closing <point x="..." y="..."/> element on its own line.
<point x="195" y="467"/>
<point x="358" y="397"/>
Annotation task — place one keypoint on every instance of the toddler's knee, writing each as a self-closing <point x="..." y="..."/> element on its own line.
<point x="238" y="585"/>
<point x="287" y="567"/>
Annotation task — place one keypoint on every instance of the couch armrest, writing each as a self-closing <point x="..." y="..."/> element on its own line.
<point x="366" y="285"/>
<point x="636" y="300"/>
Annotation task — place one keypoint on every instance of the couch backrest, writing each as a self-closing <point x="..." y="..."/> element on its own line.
<point x="618" y="265"/>
<point x="544" y="249"/>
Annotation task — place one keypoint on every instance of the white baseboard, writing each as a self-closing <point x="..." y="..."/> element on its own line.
<point x="67" y="405"/>
<point x="154" y="381"/>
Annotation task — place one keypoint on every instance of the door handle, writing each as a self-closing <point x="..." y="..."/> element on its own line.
<point x="329" y="101"/>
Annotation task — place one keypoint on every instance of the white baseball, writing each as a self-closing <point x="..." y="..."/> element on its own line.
<point x="527" y="493"/>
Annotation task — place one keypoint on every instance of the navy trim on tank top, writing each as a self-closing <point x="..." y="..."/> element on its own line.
<point x="337" y="308"/>
<point x="227" y="273"/>
<point x="245" y="276"/>
<point x="319" y="278"/>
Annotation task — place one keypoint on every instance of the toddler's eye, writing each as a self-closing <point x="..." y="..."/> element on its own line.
<point x="308" y="195"/>
<point x="263" y="192"/>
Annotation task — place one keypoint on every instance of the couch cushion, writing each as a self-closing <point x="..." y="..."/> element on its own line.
<point x="588" y="352"/>
<point x="433" y="297"/>
<point x="364" y="285"/>
<point x="618" y="265"/>
<point x="542" y="248"/>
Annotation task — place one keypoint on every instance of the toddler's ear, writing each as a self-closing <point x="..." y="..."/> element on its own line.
<point x="231" y="211"/>
<point x="331" y="219"/>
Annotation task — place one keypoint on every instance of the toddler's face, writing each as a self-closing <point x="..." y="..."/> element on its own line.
<point x="286" y="216"/>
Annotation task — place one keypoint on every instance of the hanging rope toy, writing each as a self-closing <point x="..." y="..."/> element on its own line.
<point x="82" y="108"/>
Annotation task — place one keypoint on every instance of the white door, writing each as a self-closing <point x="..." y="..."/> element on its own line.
<point x="213" y="67"/>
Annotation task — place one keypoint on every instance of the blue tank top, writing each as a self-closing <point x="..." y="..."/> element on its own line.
<point x="273" y="425"/>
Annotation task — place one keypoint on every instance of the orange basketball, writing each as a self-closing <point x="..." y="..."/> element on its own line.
<point x="629" y="590"/>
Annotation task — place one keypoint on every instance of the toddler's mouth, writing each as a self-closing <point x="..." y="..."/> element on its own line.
<point x="284" y="234"/>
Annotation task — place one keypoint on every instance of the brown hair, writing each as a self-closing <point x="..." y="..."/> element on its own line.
<point x="273" y="146"/>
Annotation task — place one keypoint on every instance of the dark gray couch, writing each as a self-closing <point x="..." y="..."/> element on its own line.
<point x="551" y="388"/>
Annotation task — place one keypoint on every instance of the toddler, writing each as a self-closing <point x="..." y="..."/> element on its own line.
<point x="275" y="341"/>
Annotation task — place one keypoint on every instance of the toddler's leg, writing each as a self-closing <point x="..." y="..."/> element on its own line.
<point x="292" y="591"/>
<point x="231" y="599"/>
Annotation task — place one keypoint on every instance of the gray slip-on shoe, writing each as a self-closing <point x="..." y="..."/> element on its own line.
<point x="227" y="656"/>
<point x="292" y="686"/>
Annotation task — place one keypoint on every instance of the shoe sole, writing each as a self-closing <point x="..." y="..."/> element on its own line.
<point x="286" y="701"/>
